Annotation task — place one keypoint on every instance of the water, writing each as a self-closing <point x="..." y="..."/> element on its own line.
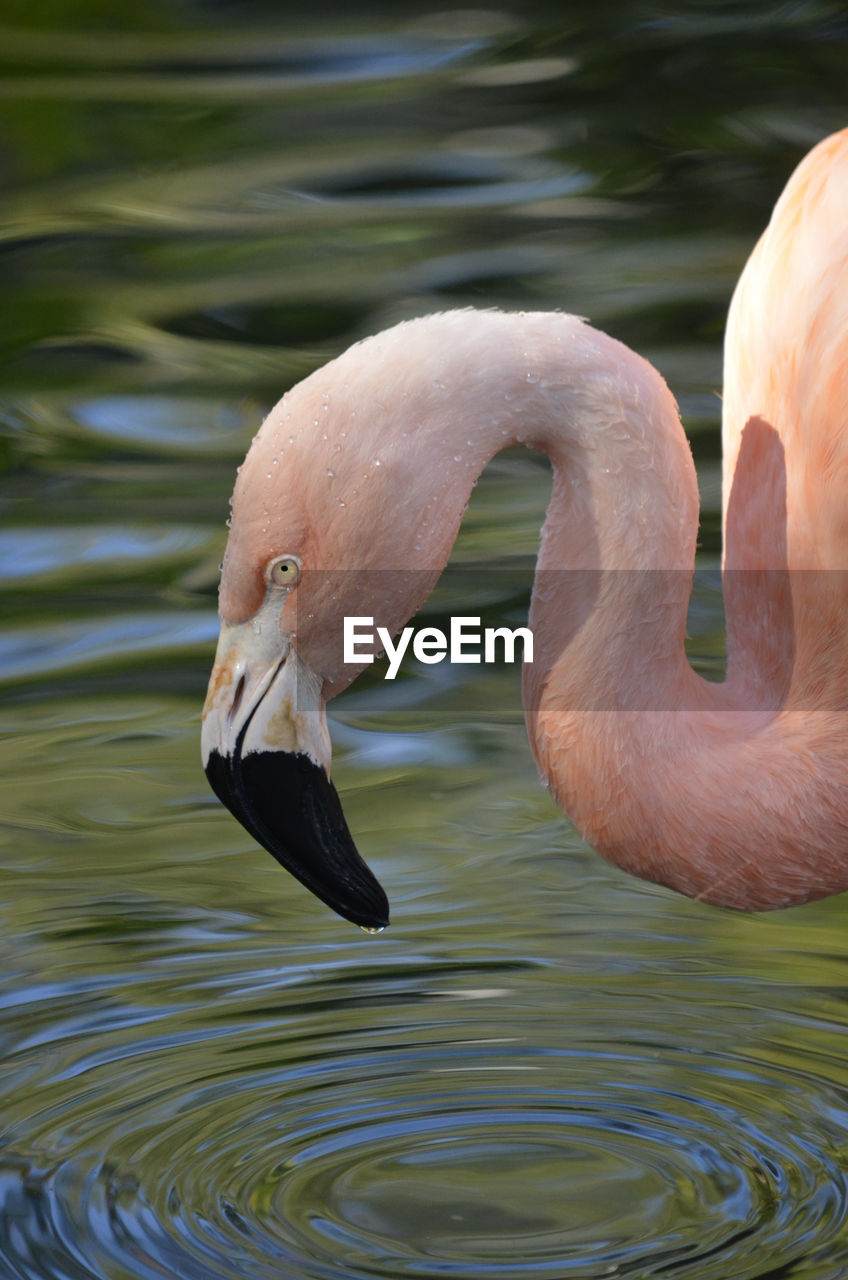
<point x="544" y="1068"/>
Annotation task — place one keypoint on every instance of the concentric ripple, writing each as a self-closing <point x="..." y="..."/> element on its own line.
<point x="467" y="1160"/>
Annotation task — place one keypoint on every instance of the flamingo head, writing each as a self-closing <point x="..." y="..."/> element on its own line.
<point x="265" y="744"/>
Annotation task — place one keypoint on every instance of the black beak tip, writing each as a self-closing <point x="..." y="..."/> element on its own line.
<point x="288" y="804"/>
<point x="373" y="919"/>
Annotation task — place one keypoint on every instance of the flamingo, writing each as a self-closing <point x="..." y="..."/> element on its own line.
<point x="349" y="500"/>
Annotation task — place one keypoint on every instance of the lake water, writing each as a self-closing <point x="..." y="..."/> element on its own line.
<point x="543" y="1069"/>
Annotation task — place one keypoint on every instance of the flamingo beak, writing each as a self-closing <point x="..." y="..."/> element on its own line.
<point x="266" y="752"/>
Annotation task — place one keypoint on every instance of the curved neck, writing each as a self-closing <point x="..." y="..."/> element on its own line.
<point x="614" y="572"/>
<point x="386" y="444"/>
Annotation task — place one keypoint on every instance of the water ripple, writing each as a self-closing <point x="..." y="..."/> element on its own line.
<point x="161" y="423"/>
<point x="269" y="64"/>
<point x="28" y="553"/>
<point x="471" y="1159"/>
<point x="43" y="650"/>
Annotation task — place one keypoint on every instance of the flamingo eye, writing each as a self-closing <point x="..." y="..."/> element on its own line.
<point x="284" y="571"/>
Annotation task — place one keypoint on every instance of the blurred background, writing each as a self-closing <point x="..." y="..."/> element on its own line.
<point x="543" y="1068"/>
